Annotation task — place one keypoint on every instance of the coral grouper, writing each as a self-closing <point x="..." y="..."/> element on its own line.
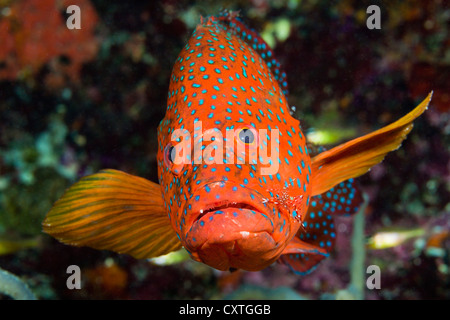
<point x="239" y="188"/>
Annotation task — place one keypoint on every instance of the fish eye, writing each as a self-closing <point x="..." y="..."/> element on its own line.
<point x="246" y="135"/>
<point x="171" y="154"/>
<point x="170" y="159"/>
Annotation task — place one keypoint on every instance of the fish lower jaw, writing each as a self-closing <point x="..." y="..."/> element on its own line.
<point x="250" y="251"/>
<point x="224" y="233"/>
<point x="231" y="236"/>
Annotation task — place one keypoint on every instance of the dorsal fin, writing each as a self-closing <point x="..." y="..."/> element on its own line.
<point x="231" y="22"/>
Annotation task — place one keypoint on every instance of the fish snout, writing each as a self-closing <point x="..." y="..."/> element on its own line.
<point x="229" y="227"/>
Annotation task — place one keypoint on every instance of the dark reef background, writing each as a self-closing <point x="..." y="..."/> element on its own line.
<point x="75" y="101"/>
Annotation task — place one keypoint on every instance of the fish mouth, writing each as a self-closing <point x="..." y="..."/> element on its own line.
<point x="227" y="221"/>
<point x="233" y="235"/>
<point x="224" y="205"/>
<point x="237" y="230"/>
<point x="234" y="221"/>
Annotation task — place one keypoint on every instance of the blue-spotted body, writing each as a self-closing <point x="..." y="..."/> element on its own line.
<point x="239" y="187"/>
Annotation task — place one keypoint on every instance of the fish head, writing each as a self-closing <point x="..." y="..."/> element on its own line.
<point x="232" y="162"/>
<point x="229" y="213"/>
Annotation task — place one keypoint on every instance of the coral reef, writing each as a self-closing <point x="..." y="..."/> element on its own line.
<point x="12" y="286"/>
<point x="34" y="34"/>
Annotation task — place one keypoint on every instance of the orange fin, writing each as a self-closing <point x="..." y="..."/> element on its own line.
<point x="316" y="237"/>
<point x="301" y="257"/>
<point x="113" y="210"/>
<point x="356" y="157"/>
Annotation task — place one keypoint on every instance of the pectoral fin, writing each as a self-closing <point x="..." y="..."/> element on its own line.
<point x="356" y="157"/>
<point x="316" y="237"/>
<point x="302" y="257"/>
<point x="112" y="210"/>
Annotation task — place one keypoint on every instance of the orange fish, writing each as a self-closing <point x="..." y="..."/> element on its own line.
<point x="238" y="186"/>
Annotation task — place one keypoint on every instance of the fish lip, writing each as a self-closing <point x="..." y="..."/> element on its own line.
<point x="226" y="205"/>
<point x="234" y="252"/>
<point x="258" y="204"/>
<point x="221" y="205"/>
<point x="248" y="199"/>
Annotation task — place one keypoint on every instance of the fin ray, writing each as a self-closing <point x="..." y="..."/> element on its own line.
<point x="356" y="157"/>
<point x="112" y="210"/>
